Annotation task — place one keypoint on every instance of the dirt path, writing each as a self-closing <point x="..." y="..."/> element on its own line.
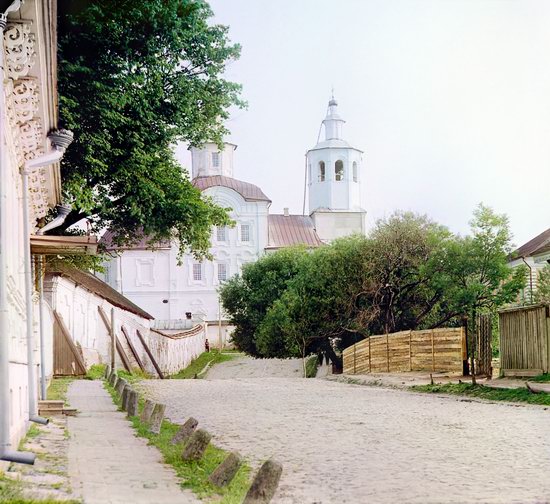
<point x="247" y="367"/>
<point x="343" y="443"/>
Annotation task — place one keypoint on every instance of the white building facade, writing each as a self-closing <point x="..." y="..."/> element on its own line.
<point x="153" y="279"/>
<point x="30" y="185"/>
<point x="334" y="182"/>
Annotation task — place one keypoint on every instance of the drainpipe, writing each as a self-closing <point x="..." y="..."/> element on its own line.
<point x="5" y="452"/>
<point x="60" y="140"/>
<point x="530" y="279"/>
<point x="62" y="212"/>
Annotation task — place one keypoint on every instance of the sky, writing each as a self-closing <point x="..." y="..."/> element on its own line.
<point x="449" y="100"/>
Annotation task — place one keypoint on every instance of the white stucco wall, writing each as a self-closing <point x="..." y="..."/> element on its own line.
<point x="336" y="195"/>
<point x="175" y="352"/>
<point x="332" y="225"/>
<point x="79" y="309"/>
<point x="167" y="290"/>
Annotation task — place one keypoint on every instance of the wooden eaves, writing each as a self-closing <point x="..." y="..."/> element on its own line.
<point x="52" y="245"/>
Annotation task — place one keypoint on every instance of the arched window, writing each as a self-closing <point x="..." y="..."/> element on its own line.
<point x="339" y="171"/>
<point x="321" y="171"/>
<point x="354" y="171"/>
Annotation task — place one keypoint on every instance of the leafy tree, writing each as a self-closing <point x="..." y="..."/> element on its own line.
<point x="319" y="307"/>
<point x="542" y="294"/>
<point x="403" y="280"/>
<point x="248" y="297"/>
<point x="134" y="79"/>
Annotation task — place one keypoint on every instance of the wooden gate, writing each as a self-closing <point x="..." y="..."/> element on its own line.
<point x="67" y="360"/>
<point x="525" y="340"/>
<point x="484" y="325"/>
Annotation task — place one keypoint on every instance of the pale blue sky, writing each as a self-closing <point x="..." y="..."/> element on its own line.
<point x="449" y="99"/>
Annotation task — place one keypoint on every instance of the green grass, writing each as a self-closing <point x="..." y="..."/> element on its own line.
<point x="57" y="391"/>
<point x="133" y="377"/>
<point x="541" y="378"/>
<point x="198" y="364"/>
<point x="12" y="492"/>
<point x="312" y="363"/>
<point x="192" y="475"/>
<point x="96" y="372"/>
<point x="479" y="391"/>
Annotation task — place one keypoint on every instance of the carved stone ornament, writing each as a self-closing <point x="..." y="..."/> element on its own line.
<point x="25" y="98"/>
<point x="19" y="50"/>
<point x="30" y="139"/>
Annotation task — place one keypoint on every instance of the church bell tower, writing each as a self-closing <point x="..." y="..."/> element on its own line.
<point x="334" y="181"/>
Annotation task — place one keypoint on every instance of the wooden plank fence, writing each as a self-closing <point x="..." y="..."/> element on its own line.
<point x="427" y="350"/>
<point x="525" y="340"/>
<point x="67" y="360"/>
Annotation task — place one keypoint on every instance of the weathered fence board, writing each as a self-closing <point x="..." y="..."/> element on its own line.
<point x="67" y="360"/>
<point x="525" y="340"/>
<point x="427" y="350"/>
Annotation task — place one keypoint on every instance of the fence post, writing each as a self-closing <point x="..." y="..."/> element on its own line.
<point x="370" y="369"/>
<point x="387" y="352"/>
<point x="410" y="351"/>
<point x="433" y="352"/>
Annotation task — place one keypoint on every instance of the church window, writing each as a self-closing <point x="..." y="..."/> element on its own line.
<point x="321" y="171"/>
<point x="222" y="272"/>
<point x="221" y="234"/>
<point x="197" y="272"/>
<point x="309" y="172"/>
<point x="215" y="159"/>
<point x="339" y="171"/>
<point x="245" y="232"/>
<point x="354" y="171"/>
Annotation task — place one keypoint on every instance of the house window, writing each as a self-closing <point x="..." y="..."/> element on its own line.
<point x="215" y="159"/>
<point x="222" y="272"/>
<point x="221" y="234"/>
<point x="321" y="171"/>
<point x="339" y="171"/>
<point x="354" y="171"/>
<point x="245" y="232"/>
<point x="197" y="272"/>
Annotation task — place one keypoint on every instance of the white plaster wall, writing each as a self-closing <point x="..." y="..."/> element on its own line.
<point x="336" y="195"/>
<point x="332" y="225"/>
<point x="202" y="160"/>
<point x="171" y="291"/>
<point x="176" y="352"/>
<point x="79" y="309"/>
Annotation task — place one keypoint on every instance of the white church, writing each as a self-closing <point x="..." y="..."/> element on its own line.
<point x="173" y="293"/>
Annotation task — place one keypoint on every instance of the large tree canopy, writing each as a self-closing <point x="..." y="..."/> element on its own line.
<point x="134" y="79"/>
<point x="408" y="273"/>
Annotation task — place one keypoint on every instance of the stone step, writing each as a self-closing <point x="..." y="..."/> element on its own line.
<point x="50" y="405"/>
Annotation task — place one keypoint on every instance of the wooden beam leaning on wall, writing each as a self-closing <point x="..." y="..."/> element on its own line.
<point x="63" y="342"/>
<point x="157" y="368"/>
<point x="133" y="348"/>
<point x="119" y="347"/>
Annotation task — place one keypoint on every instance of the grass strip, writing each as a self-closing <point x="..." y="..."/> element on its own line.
<point x="521" y="395"/>
<point x="57" y="391"/>
<point x="543" y="378"/>
<point x="198" y="364"/>
<point x="192" y="475"/>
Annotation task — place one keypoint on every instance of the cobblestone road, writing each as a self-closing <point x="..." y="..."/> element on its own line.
<point x="344" y="443"/>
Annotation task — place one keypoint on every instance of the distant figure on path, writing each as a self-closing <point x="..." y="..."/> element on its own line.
<point x="206" y="345"/>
